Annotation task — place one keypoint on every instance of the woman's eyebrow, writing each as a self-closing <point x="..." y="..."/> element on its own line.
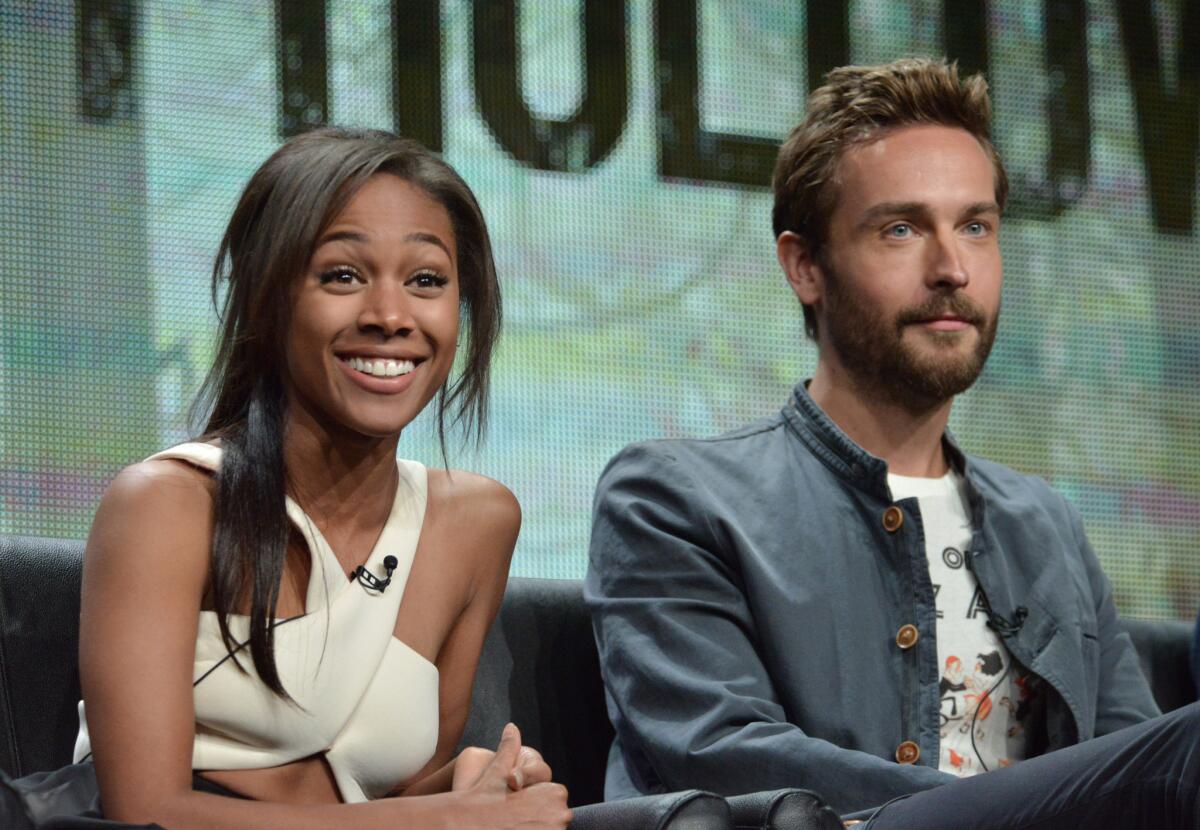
<point x="432" y="239"/>
<point x="341" y="236"/>
<point x="355" y="236"/>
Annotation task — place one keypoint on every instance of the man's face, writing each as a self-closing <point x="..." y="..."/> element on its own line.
<point x="910" y="275"/>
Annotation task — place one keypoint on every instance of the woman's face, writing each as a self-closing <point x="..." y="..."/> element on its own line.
<point x="376" y="313"/>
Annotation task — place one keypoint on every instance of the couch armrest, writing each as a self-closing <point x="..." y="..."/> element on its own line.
<point x="1164" y="649"/>
<point x="39" y="652"/>
<point x="685" y="810"/>
<point x="788" y="809"/>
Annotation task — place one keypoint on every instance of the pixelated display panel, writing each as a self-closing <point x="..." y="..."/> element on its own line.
<point x="621" y="153"/>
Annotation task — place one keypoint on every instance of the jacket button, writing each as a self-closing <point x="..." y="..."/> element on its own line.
<point x="893" y="517"/>
<point x="908" y="753"/>
<point x="907" y="636"/>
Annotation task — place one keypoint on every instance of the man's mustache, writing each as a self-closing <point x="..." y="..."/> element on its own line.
<point x="956" y="304"/>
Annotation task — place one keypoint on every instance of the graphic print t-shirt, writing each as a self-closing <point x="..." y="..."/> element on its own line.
<point x="983" y="701"/>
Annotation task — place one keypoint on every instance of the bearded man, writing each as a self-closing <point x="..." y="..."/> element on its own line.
<point x="837" y="597"/>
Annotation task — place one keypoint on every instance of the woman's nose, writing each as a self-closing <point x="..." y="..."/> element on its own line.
<point x="387" y="311"/>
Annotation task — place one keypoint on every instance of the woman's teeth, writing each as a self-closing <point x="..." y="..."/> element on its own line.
<point x="381" y="368"/>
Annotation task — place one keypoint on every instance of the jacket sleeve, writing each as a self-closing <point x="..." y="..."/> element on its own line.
<point x="1123" y="696"/>
<point x="692" y="703"/>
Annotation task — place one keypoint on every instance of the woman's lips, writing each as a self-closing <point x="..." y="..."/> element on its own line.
<point x="380" y="366"/>
<point x="386" y="385"/>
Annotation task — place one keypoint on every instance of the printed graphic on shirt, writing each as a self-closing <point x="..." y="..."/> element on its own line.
<point x="983" y="703"/>
<point x="982" y="713"/>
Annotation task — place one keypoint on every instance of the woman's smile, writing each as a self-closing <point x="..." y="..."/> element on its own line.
<point x="381" y="376"/>
<point x="379" y="367"/>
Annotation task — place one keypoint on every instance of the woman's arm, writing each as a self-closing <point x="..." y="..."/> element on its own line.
<point x="474" y="528"/>
<point x="144" y="576"/>
<point x="144" y="573"/>
<point x="472" y="525"/>
<point x="484" y="518"/>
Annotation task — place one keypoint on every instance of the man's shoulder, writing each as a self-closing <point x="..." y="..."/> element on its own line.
<point x="727" y="451"/>
<point x="1017" y="491"/>
<point x="665" y="500"/>
<point x="1004" y="477"/>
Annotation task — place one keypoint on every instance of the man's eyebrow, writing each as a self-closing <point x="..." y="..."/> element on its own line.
<point x="355" y="236"/>
<point x="980" y="207"/>
<point x="918" y="210"/>
<point x="877" y="212"/>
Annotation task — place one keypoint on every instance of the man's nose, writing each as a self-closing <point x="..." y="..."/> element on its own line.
<point x="948" y="268"/>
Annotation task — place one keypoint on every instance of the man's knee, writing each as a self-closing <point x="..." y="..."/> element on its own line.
<point x="1181" y="728"/>
<point x="1188" y="718"/>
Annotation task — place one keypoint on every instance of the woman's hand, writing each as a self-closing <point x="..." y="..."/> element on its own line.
<point x="530" y="768"/>
<point x="513" y="788"/>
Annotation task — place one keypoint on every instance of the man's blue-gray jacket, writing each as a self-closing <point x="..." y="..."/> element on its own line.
<point x="746" y="593"/>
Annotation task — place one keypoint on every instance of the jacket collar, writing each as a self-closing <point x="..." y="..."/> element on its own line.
<point x="840" y="454"/>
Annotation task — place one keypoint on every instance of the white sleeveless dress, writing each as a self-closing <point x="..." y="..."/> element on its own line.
<point x="364" y="699"/>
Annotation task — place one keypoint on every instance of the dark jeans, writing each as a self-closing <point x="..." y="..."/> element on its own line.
<point x="1144" y="776"/>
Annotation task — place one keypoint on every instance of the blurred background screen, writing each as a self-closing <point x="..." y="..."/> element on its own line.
<point x="621" y="152"/>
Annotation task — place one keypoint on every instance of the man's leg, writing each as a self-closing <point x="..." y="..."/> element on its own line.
<point x="1144" y="776"/>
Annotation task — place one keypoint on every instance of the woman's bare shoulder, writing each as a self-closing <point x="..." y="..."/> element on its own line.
<point x="463" y="495"/>
<point x="476" y="514"/>
<point x="161" y="484"/>
<point x="158" y="503"/>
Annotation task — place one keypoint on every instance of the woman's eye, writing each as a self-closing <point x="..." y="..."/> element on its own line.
<point x="428" y="279"/>
<point x="339" y="276"/>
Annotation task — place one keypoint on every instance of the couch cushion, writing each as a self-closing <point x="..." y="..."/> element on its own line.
<point x="39" y="652"/>
<point x="539" y="669"/>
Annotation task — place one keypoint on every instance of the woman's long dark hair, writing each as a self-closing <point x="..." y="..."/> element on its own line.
<point x="289" y="201"/>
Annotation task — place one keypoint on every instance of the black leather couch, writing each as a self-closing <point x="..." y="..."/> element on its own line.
<point x="538" y="668"/>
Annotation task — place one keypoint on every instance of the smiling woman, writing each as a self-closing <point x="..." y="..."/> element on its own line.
<point x="233" y="676"/>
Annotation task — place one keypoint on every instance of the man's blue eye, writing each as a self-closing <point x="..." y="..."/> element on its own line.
<point x="899" y="231"/>
<point x="976" y="228"/>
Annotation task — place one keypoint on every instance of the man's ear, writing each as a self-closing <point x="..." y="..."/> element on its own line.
<point x="804" y="274"/>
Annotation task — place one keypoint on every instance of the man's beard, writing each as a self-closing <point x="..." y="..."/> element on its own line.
<point x="873" y="349"/>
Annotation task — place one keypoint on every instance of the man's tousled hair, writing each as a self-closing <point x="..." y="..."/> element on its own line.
<point x="856" y="104"/>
